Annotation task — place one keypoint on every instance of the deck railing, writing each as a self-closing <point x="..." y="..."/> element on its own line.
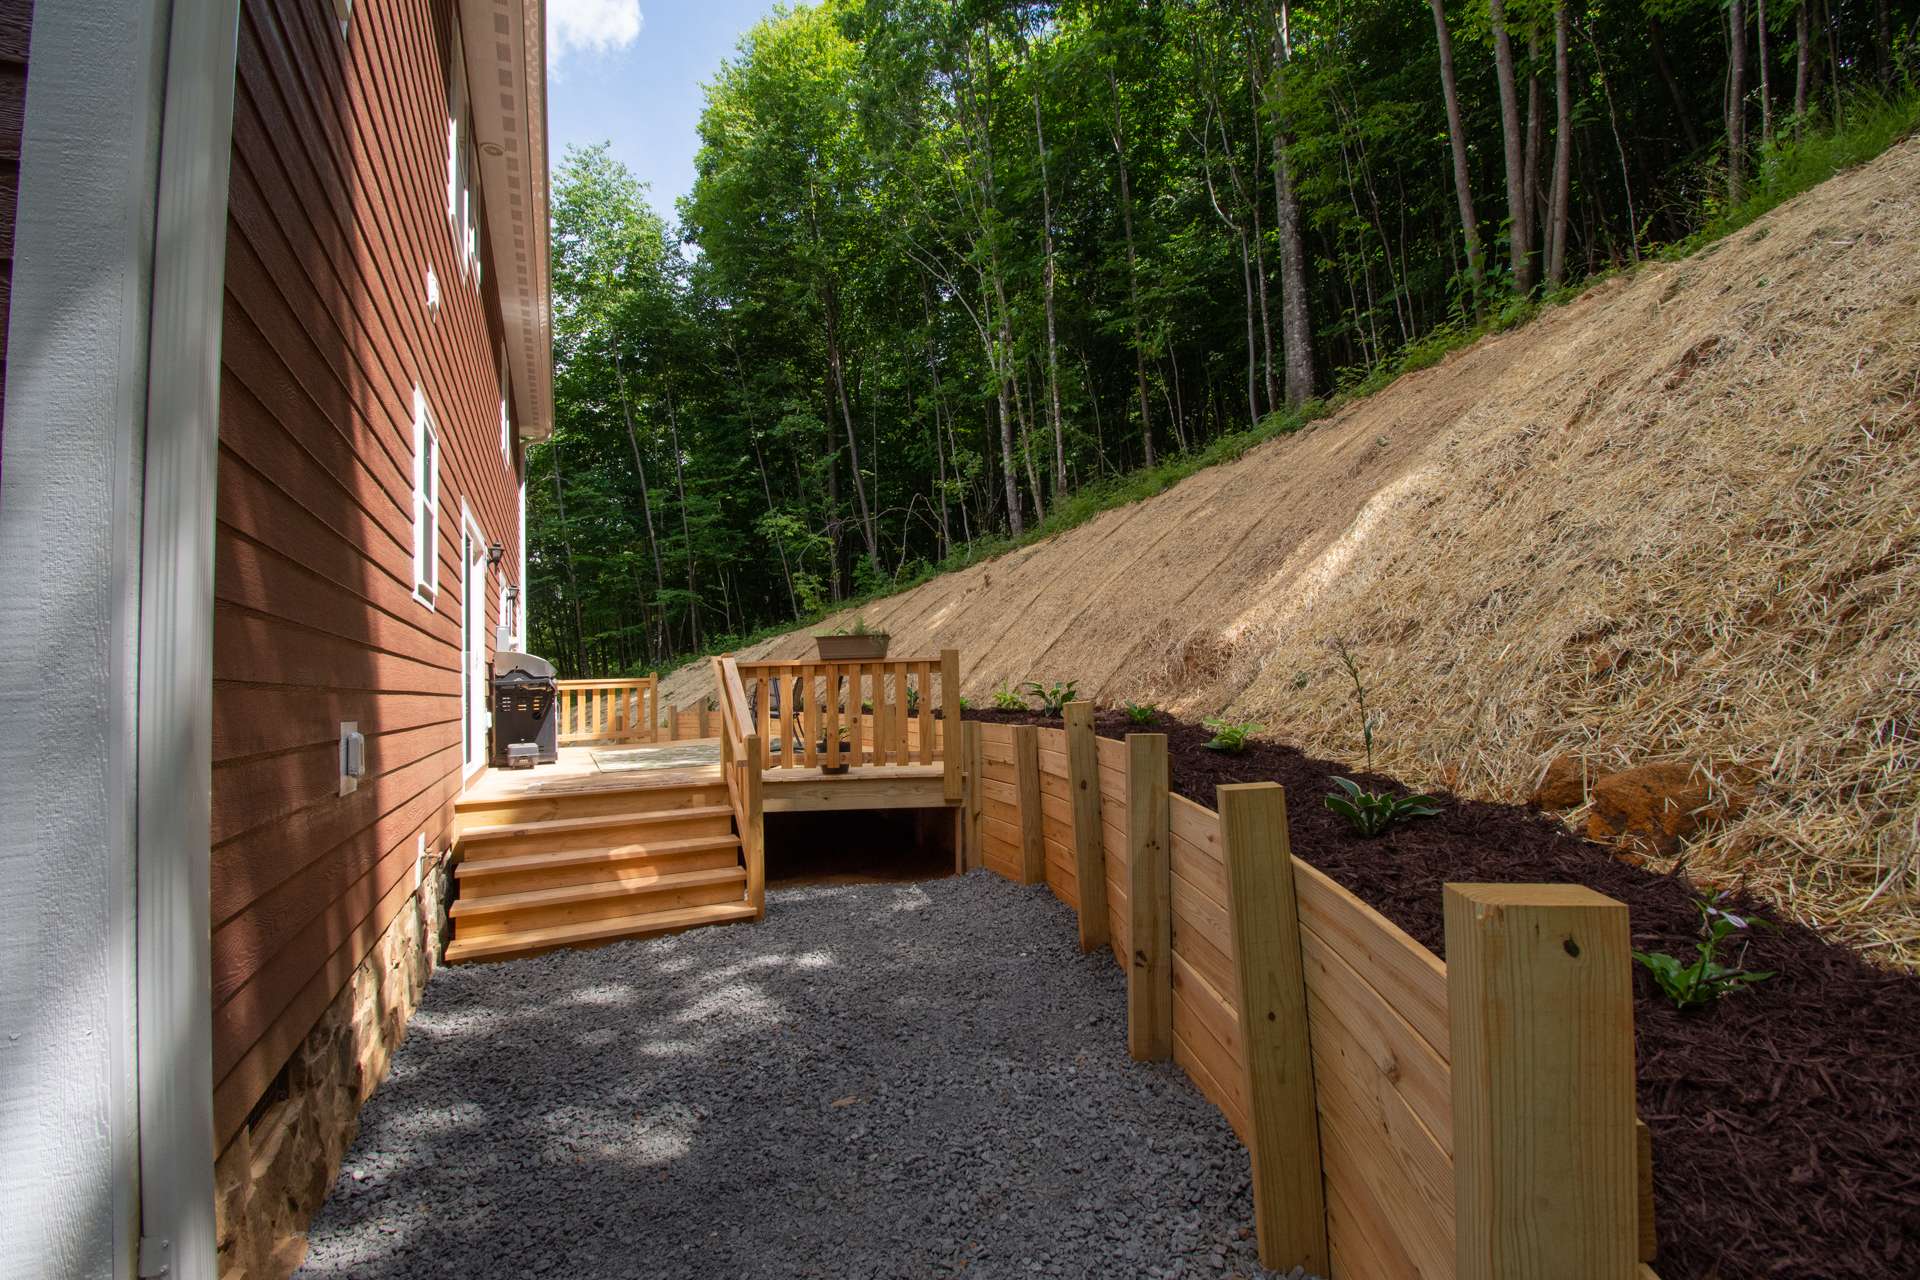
<point x="608" y="710"/>
<point x="740" y="767"/>
<point x="852" y="716"/>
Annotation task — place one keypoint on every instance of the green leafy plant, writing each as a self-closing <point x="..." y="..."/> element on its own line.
<point x="913" y="700"/>
<point x="1371" y="812"/>
<point x="1005" y="699"/>
<point x="1141" y="712"/>
<point x="1053" y="697"/>
<point x="1707" y="979"/>
<point x="1229" y="738"/>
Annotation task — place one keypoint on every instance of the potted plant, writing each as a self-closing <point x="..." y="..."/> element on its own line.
<point x="852" y="644"/>
<point x="845" y="758"/>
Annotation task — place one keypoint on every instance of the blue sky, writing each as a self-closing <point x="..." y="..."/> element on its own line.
<point x="629" y="72"/>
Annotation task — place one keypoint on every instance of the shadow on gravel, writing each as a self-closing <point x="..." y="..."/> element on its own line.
<point x="878" y="1080"/>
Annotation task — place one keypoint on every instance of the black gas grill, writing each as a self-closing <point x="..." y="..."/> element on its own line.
<point x="524" y="711"/>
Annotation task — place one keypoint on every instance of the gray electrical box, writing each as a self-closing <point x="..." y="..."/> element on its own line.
<point x="353" y="756"/>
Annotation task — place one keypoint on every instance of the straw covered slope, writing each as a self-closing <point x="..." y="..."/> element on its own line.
<point x="1675" y="520"/>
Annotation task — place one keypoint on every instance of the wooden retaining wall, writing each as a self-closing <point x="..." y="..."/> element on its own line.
<point x="1377" y="1018"/>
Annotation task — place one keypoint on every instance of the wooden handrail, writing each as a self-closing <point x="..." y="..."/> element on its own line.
<point x="852" y="714"/>
<point x="607" y="710"/>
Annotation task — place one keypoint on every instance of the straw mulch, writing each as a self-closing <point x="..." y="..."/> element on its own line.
<point x="1675" y="519"/>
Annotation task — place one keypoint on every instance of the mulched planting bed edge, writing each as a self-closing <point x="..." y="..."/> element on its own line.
<point x="1785" y="1118"/>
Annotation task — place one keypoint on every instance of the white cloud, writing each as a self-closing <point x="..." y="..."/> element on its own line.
<point x="590" y="26"/>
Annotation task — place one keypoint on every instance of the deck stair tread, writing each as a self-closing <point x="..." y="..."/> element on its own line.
<point x="563" y="828"/>
<point x="587" y="932"/>
<point x="494" y="904"/>
<point x="599" y="856"/>
<point x="562" y="793"/>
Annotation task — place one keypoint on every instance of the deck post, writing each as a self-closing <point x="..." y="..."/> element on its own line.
<point x="975" y="795"/>
<point x="1540" y="1004"/>
<point x="753" y="843"/>
<point x="1149" y="900"/>
<point x="950" y="732"/>
<point x="1289" y="1198"/>
<point x="673" y="724"/>
<point x="1089" y="843"/>
<point x="1026" y="768"/>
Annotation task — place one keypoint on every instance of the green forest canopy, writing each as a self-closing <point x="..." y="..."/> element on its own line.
<point x="951" y="266"/>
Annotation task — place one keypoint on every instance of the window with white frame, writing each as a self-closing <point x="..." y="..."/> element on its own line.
<point x="462" y="202"/>
<point x="506" y="419"/>
<point x="426" y="502"/>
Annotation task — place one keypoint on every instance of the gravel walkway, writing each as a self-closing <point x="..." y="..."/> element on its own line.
<point x="879" y="1080"/>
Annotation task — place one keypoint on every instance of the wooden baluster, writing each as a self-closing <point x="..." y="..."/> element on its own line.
<point x="926" y="712"/>
<point x="763" y="695"/>
<point x="901" y="753"/>
<point x="833" y="716"/>
<point x="812" y="720"/>
<point x="856" y="718"/>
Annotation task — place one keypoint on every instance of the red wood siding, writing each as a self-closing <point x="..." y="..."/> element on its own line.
<point x="338" y="206"/>
<point x="16" y="22"/>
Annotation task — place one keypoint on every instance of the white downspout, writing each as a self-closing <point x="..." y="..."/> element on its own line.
<point x="172" y="933"/>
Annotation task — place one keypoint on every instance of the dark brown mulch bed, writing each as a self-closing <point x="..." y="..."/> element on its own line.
<point x="1786" y="1118"/>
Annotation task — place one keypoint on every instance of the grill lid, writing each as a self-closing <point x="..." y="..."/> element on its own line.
<point x="526" y="664"/>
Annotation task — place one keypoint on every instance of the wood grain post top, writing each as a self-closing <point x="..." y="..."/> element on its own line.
<point x="1531" y="895"/>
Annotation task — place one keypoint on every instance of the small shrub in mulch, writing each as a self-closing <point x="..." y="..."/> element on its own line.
<point x="1785" y="1117"/>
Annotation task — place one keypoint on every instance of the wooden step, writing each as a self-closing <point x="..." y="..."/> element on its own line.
<point x="506" y="946"/>
<point x="547" y="806"/>
<point x="625" y="863"/>
<point x="536" y="909"/>
<point x="601" y="831"/>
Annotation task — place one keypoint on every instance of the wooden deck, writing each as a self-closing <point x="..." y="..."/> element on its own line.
<point x="606" y="768"/>
<point x="696" y="762"/>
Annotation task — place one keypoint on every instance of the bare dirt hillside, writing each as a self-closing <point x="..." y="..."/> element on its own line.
<point x="1675" y="520"/>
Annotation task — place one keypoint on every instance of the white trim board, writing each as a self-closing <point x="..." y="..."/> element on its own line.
<point x="176" y="642"/>
<point x="70" y="516"/>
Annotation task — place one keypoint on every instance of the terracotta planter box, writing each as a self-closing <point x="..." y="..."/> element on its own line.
<point x="855" y="648"/>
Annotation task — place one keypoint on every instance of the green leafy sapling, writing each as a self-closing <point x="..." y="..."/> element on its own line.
<point x="1053" y="697"/>
<point x="1707" y="979"/>
<point x="1141" y="712"/>
<point x="1229" y="738"/>
<point x="1370" y="813"/>
<point x="1005" y="699"/>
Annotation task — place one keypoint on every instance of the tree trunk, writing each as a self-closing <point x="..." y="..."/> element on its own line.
<point x="1519" y="260"/>
<point x="1562" y="150"/>
<point x="573" y="579"/>
<point x="1457" y="143"/>
<point x="1257" y="91"/>
<point x="1296" y="314"/>
<point x="1536" y="143"/>
<point x="646" y="500"/>
<point x="1053" y="344"/>
<point x="686" y="532"/>
<point x="1657" y="41"/>
<point x="1118" y="133"/>
<point x="1802" y="64"/>
<point x="1766" y="72"/>
<point x="1736" y="101"/>
<point x="837" y="365"/>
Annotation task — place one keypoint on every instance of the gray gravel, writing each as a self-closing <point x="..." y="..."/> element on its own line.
<point x="879" y="1080"/>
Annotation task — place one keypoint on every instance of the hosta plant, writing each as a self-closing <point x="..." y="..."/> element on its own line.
<point x="1005" y="699"/>
<point x="1141" y="712"/>
<point x="1229" y="738"/>
<point x="1371" y="812"/>
<point x="1053" y="697"/>
<point x="1707" y="978"/>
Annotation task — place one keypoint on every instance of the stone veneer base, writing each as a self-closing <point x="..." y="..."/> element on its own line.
<point x="275" y="1173"/>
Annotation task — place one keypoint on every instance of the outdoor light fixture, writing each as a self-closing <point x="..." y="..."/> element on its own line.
<point x="495" y="553"/>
